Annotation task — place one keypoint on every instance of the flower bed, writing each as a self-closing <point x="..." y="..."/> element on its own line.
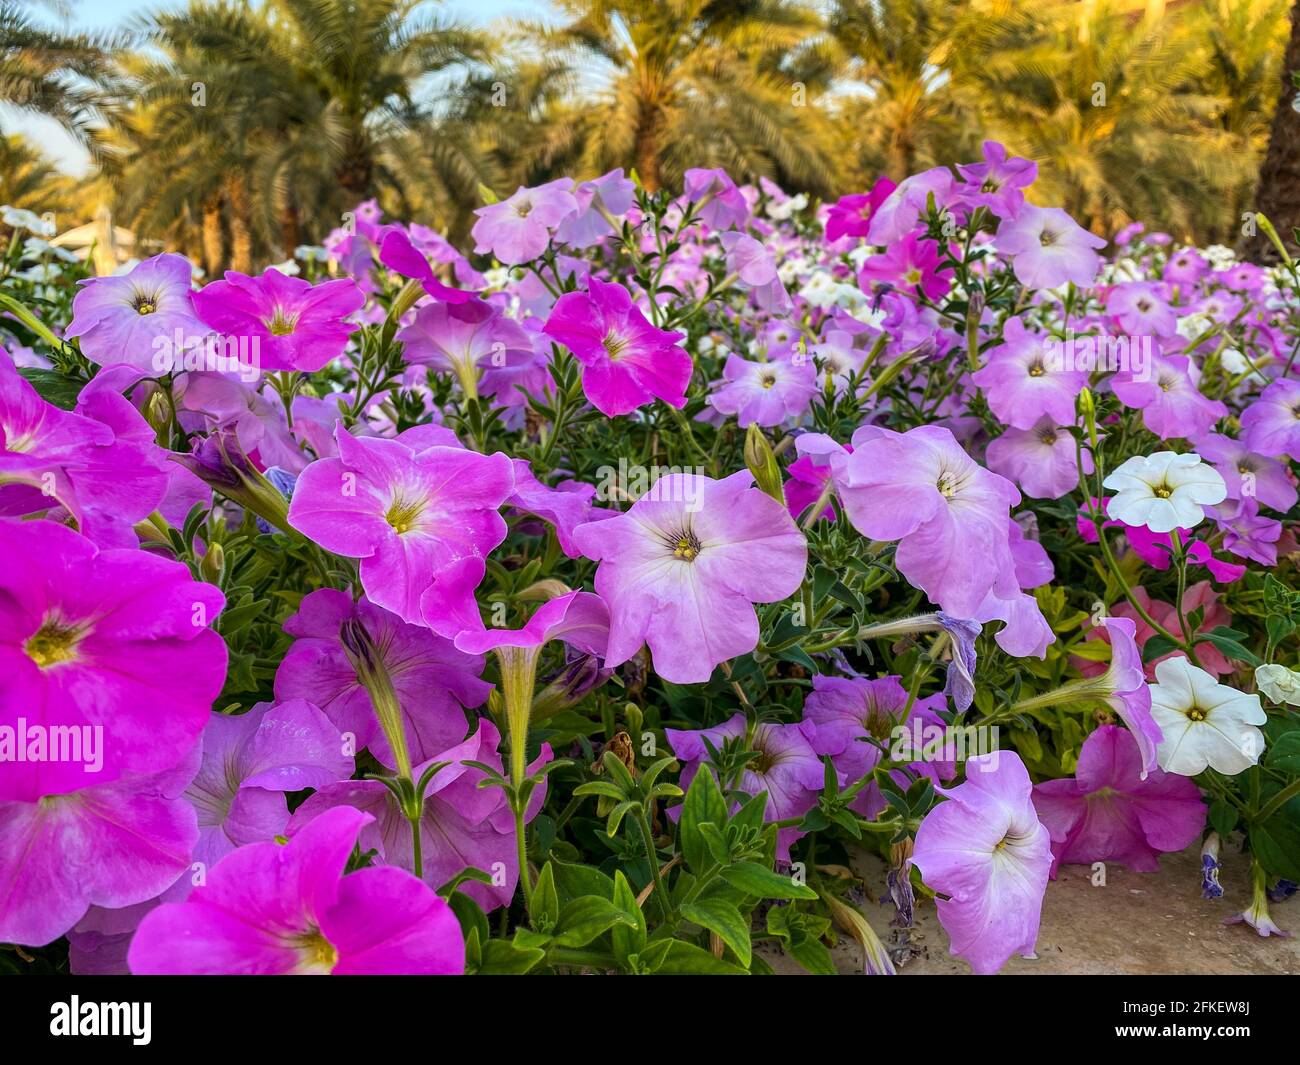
<point x="647" y="587"/>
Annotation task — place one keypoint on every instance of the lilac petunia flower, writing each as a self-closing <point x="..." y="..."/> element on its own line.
<point x="949" y="513"/>
<point x="273" y="908"/>
<point x="1042" y="460"/>
<point x="987" y="851"/>
<point x="249" y="761"/>
<point x="1246" y="472"/>
<point x="683" y="567"/>
<point x="720" y="204"/>
<point x="1171" y="404"/>
<point x="1048" y="248"/>
<point x="608" y="196"/>
<point x="787" y="768"/>
<point x="1115" y="811"/>
<point x="765" y="393"/>
<point x="465" y="339"/>
<point x="1024" y="383"/>
<point x="997" y="184"/>
<point x="295" y="325"/>
<point x="420" y="518"/>
<point x="91" y="641"/>
<point x="519" y="228"/>
<point x="905" y="206"/>
<point x="122" y="320"/>
<point x="1271" y="424"/>
<point x="431" y="679"/>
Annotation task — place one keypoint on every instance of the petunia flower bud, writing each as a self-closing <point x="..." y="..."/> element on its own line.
<point x="763" y="464"/>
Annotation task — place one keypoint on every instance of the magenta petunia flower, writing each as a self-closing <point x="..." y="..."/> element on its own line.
<point x="519" y="228"/>
<point x="122" y="320"/>
<point x="997" y="184"/>
<point x="398" y="252"/>
<point x="463" y="825"/>
<point x="431" y="679"/>
<point x="564" y="507"/>
<point x="1113" y="811"/>
<point x="1171" y="404"/>
<point x="295" y="325"/>
<point x="108" y="845"/>
<point x="948" y="512"/>
<point x="99" y="462"/>
<point x="987" y="851"/>
<point x="465" y="339"/>
<point x="93" y="641"/>
<point x="911" y="264"/>
<point x="1271" y="424"/>
<point x="418" y="517"/>
<point x="627" y="362"/>
<point x="1041" y="460"/>
<point x="787" y="768"/>
<point x="1024" y="380"/>
<point x="683" y="567"/>
<point x="850" y="216"/>
<point x="249" y="762"/>
<point x="1048" y="248"/>
<point x="280" y="909"/>
<point x="765" y="393"/>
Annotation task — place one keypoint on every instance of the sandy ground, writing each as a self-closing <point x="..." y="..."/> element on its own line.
<point x="1138" y="923"/>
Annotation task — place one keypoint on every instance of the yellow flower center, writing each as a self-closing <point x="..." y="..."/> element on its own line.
<point x="1195" y="713"/>
<point x="403" y="514"/>
<point x="317" y="954"/>
<point x="281" y="324"/>
<point x="685" y="545"/>
<point x="1162" y="491"/>
<point x="614" y="345"/>
<point x="144" y="303"/>
<point x="52" y="643"/>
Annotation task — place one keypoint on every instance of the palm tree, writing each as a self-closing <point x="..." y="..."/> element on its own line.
<point x="304" y="107"/>
<point x="665" y="85"/>
<point x="50" y="72"/>
<point x="1279" y="176"/>
<point x="1109" y="105"/>
<point x="906" y="114"/>
<point x="30" y="181"/>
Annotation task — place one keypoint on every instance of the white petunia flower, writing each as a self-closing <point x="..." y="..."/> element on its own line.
<point x="1205" y="723"/>
<point x="1164" y="491"/>
<point x="21" y="218"/>
<point x="1280" y="684"/>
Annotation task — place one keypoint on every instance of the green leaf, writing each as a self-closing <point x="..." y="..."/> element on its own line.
<point x="501" y="957"/>
<point x="1277" y="841"/>
<point x="681" y="959"/>
<point x="582" y="920"/>
<point x="545" y="910"/>
<point x="1284" y="753"/>
<point x="763" y="883"/>
<point x="704" y="805"/>
<point x="1227" y="641"/>
<point x="724" y="919"/>
<point x="574" y="881"/>
<point x="627" y="939"/>
<point x="1157" y="647"/>
<point x="1223" y="817"/>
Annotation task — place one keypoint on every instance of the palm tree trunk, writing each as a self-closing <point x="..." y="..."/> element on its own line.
<point x="289" y="226"/>
<point x="1278" y="195"/>
<point x="241" y="237"/>
<point x="213" y="241"/>
<point x="649" y="138"/>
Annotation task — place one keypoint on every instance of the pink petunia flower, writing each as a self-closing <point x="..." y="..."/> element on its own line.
<point x="720" y="204"/>
<point x="465" y="339"/>
<point x="910" y="264"/>
<point x="1171" y="404"/>
<point x="91" y="642"/>
<point x="420" y="518"/>
<point x="765" y="393"/>
<point x="1042" y="460"/>
<point x="998" y="183"/>
<point x="627" y="362"/>
<point x="519" y="228"/>
<point x="279" y="909"/>
<point x="850" y="216"/>
<point x="295" y="325"/>
<point x="1271" y="424"/>
<point x="683" y="567"/>
<point x="1114" y="811"/>
<point x="1024" y="382"/>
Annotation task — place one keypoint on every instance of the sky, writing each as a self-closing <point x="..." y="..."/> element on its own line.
<point x="92" y="16"/>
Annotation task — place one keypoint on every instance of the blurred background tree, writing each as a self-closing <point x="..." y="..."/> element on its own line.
<point x="243" y="130"/>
